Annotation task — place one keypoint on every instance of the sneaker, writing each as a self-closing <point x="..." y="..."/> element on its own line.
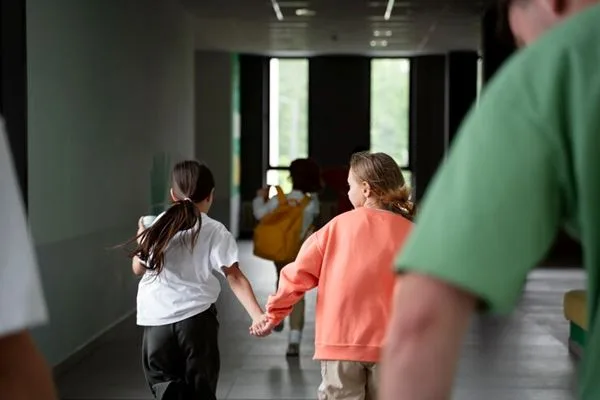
<point x="293" y="350"/>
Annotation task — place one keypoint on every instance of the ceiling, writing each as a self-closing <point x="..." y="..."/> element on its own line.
<point x="337" y="26"/>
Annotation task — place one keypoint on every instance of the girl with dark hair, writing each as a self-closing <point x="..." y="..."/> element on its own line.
<point x="176" y="255"/>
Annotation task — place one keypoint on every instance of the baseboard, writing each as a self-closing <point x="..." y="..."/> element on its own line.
<point x="88" y="347"/>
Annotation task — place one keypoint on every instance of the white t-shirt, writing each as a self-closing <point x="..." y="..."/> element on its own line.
<point x="261" y="208"/>
<point x="186" y="286"/>
<point x="21" y="299"/>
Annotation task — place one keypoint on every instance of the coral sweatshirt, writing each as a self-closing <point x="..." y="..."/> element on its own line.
<point x="350" y="261"/>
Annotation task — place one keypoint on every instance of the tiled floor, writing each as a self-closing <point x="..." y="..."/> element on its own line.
<point x="523" y="357"/>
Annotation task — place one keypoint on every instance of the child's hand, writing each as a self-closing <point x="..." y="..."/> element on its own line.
<point x="262" y="327"/>
<point x="263" y="193"/>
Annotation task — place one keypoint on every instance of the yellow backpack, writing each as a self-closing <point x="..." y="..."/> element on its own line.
<point x="278" y="235"/>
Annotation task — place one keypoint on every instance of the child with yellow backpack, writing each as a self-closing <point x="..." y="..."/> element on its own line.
<point x="285" y="221"/>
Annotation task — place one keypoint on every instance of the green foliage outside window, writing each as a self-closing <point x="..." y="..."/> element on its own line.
<point x="390" y="90"/>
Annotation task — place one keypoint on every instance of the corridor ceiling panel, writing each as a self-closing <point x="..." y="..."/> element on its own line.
<point x="337" y="26"/>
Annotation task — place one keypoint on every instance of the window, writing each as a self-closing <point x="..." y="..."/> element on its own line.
<point x="407" y="174"/>
<point x="390" y="89"/>
<point x="288" y="117"/>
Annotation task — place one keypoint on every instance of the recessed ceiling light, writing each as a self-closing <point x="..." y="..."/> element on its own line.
<point x="382" y="33"/>
<point x="379" y="43"/>
<point x="305" y="12"/>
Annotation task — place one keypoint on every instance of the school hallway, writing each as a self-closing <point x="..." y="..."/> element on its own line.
<point x="524" y="357"/>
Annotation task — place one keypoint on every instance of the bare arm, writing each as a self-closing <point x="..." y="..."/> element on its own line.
<point x="296" y="279"/>
<point x="243" y="291"/>
<point x="136" y="265"/>
<point x="24" y="375"/>
<point x="424" y="339"/>
<point x="262" y="205"/>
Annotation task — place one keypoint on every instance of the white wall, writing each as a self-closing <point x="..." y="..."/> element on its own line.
<point x="111" y="85"/>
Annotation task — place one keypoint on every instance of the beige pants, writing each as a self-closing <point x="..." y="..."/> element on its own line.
<point x="297" y="315"/>
<point x="348" y="380"/>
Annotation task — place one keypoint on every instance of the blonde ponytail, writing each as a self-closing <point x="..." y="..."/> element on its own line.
<point x="386" y="181"/>
<point x="398" y="201"/>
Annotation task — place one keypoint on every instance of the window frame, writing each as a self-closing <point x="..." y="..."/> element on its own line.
<point x="270" y="167"/>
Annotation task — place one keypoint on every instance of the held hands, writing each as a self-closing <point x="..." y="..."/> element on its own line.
<point x="262" y="326"/>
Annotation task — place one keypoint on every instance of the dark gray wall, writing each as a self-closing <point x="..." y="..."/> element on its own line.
<point x="13" y="83"/>
<point x="339" y="107"/>
<point x="461" y="89"/>
<point x="497" y="41"/>
<point x="427" y="118"/>
<point x="214" y="125"/>
<point x="111" y="87"/>
<point x="254" y="99"/>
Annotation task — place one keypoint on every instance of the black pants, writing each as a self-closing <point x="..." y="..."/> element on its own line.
<point x="181" y="360"/>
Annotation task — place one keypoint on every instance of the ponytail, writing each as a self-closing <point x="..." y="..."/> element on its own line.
<point x="153" y="242"/>
<point x="398" y="201"/>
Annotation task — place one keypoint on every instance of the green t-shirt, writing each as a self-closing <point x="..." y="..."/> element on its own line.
<point x="526" y="162"/>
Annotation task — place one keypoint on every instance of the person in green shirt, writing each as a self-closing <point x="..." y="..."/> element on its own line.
<point x="525" y="163"/>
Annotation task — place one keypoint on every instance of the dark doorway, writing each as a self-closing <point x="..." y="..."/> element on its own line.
<point x="13" y="85"/>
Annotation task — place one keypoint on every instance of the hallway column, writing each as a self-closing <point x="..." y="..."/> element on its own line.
<point x="461" y="89"/>
<point x="254" y="103"/>
<point x="254" y="100"/>
<point x="496" y="40"/>
<point x="339" y="107"/>
<point x="427" y="118"/>
<point x="217" y="130"/>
